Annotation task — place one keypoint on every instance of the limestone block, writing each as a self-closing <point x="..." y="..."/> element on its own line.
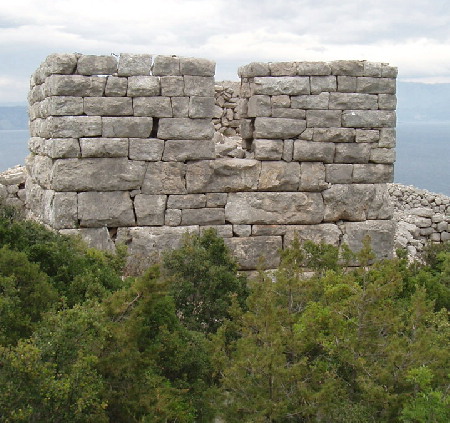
<point x="281" y="101"/>
<point x="289" y="85"/>
<point x="122" y="127"/>
<point x="279" y="176"/>
<point x="36" y="94"/>
<point x="149" y="149"/>
<point x="339" y="173"/>
<point x="307" y="151"/>
<point x="116" y="86"/>
<point x="347" y="67"/>
<point x="134" y="64"/>
<point x="268" y="149"/>
<point x="288" y="113"/>
<point x="142" y="86"/>
<point x="387" y="101"/>
<point x="96" y="209"/>
<point x="261" y="230"/>
<point x="352" y="202"/>
<point x="104" y="147"/>
<point x="242" y="230"/>
<point x="180" y="106"/>
<point x="224" y="231"/>
<point x="72" y="127"/>
<point x="381" y="206"/>
<point x="222" y="175"/>
<point x="312" y="176"/>
<point x="382" y="155"/>
<point x="201" y="107"/>
<point x="422" y="212"/>
<point x="375" y="85"/>
<point x="283" y="68"/>
<point x="150" y="209"/>
<point x="319" y="101"/>
<point x="274" y="208"/>
<point x="172" y="217"/>
<point x="62" y="106"/>
<point x="372" y="69"/>
<point x="246" y="129"/>
<point x="216" y="199"/>
<point x="182" y="128"/>
<point x="96" y="65"/>
<point x="373" y="173"/>
<point x="367" y="135"/>
<point x="323" y="118"/>
<point x="35" y="145"/>
<point x="166" y="65"/>
<point x="259" y="105"/>
<point x="353" y="101"/>
<point x="95" y="237"/>
<point x="381" y="235"/>
<point x="186" y="201"/>
<point x="182" y="150"/>
<point x="278" y="128"/>
<point x="388" y="71"/>
<point x="204" y="216"/>
<point x="63" y="64"/>
<point x="61" y="148"/>
<point x="202" y="86"/>
<point x="62" y="210"/>
<point x="346" y="84"/>
<point x="164" y="178"/>
<point x="321" y="84"/>
<point x="172" y="86"/>
<point x="108" y="106"/>
<point x="197" y="67"/>
<point x="352" y="153"/>
<point x="152" y="106"/>
<point x="334" y="135"/>
<point x="313" y="68"/>
<point x="445" y="236"/>
<point x="251" y="252"/>
<point x="326" y="233"/>
<point x="97" y="174"/>
<point x="368" y="118"/>
<point x="387" y="138"/>
<point x="288" y="150"/>
<point x="254" y="69"/>
<point x="75" y="85"/>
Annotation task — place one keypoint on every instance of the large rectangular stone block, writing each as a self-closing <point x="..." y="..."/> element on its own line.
<point x="274" y="208"/>
<point x="116" y="86"/>
<point x="61" y="148"/>
<point x="164" y="178"/>
<point x="254" y="69"/>
<point x="278" y="128"/>
<point x="321" y="84"/>
<point x="184" y="129"/>
<point x="327" y="233"/>
<point x="352" y="153"/>
<point x="313" y="68"/>
<point x="149" y="149"/>
<point x="319" y="101"/>
<point x="373" y="173"/>
<point x="202" y="86"/>
<point x="104" y="147"/>
<point x="72" y="127"/>
<point x="182" y="150"/>
<point x="186" y="201"/>
<point x="334" y="135"/>
<point x="141" y="86"/>
<point x="311" y="151"/>
<point x="312" y="176"/>
<point x="96" y="65"/>
<point x="259" y="105"/>
<point x="166" y="65"/>
<point x="197" y="67"/>
<point x="62" y="106"/>
<point x="368" y="119"/>
<point x="347" y="67"/>
<point x="353" y="101"/>
<point x="204" y="216"/>
<point x="323" y="118"/>
<point x="75" y="85"/>
<point x="375" y="85"/>
<point x="134" y="64"/>
<point x="97" y="174"/>
<point x="150" y="209"/>
<point x="268" y="149"/>
<point x="222" y="175"/>
<point x="201" y="107"/>
<point x="339" y="173"/>
<point x="61" y="209"/>
<point x="60" y="63"/>
<point x="108" y="106"/>
<point x="123" y="127"/>
<point x="279" y="176"/>
<point x="290" y="85"/>
<point x="152" y="106"/>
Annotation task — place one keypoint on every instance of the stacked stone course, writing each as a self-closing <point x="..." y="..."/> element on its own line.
<point x="123" y="151"/>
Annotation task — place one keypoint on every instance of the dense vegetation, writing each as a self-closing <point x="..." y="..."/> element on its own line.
<point x="190" y="339"/>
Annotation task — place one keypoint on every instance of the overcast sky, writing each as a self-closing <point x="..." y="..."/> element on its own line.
<point x="411" y="34"/>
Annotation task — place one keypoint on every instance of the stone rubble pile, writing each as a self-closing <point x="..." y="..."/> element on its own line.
<point x="226" y="117"/>
<point x="12" y="187"/>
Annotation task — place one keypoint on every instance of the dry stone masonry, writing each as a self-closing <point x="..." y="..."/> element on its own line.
<point x="125" y="150"/>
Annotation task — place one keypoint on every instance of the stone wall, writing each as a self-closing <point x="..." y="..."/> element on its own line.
<point x="123" y="150"/>
<point x="12" y="187"/>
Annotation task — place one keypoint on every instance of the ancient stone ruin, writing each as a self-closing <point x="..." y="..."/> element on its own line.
<point x="125" y="150"/>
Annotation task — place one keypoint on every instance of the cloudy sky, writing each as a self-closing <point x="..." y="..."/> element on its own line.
<point x="411" y="34"/>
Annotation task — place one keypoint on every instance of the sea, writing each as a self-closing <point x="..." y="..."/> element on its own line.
<point x="423" y="154"/>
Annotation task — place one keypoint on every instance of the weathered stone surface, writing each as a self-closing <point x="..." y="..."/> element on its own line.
<point x="259" y="105"/>
<point x="274" y="208"/>
<point x="352" y="153"/>
<point x="172" y="86"/>
<point x="346" y="84"/>
<point x="184" y="129"/>
<point x="96" y="209"/>
<point x="373" y="173"/>
<point x="122" y="127"/>
<point x="254" y="69"/>
<point x="381" y="206"/>
<point x="261" y="230"/>
<point x="375" y="85"/>
<point x="334" y="135"/>
<point x="381" y="235"/>
<point x="57" y="63"/>
<point x="339" y="173"/>
<point x="387" y="101"/>
<point x="307" y="151"/>
<point x="278" y="128"/>
<point x="313" y="68"/>
<point x="372" y="69"/>
<point x="172" y="217"/>
<point x="323" y="84"/>
<point x="367" y="135"/>
<point x="61" y="148"/>
<point x="294" y="85"/>
<point x="242" y="230"/>
<point x="204" y="216"/>
<point x="150" y="209"/>
<point x="368" y="118"/>
<point x="387" y="138"/>
<point x="141" y="86"/>
<point x="288" y="150"/>
<point x="197" y="67"/>
<point x="324" y="233"/>
<point x="104" y="147"/>
<point x="62" y="106"/>
<point x="108" y="106"/>
<point x="75" y="85"/>
<point x="216" y="199"/>
<point x="96" y="65"/>
<point x="180" y="106"/>
<point x="60" y="209"/>
<point x="201" y="107"/>
<point x="283" y="68"/>
<point x="186" y="201"/>
<point x="279" y="176"/>
<point x="149" y="149"/>
<point x="288" y="113"/>
<point x="347" y="67"/>
<point x="182" y="150"/>
<point x="319" y="101"/>
<point x="222" y="175"/>
<point x="224" y="231"/>
<point x="268" y="149"/>
<point x="382" y="155"/>
<point x="152" y="106"/>
<point x="72" y="127"/>
<point x="164" y="178"/>
<point x="353" y="101"/>
<point x="252" y="252"/>
<point x="166" y="65"/>
<point x="323" y="118"/>
<point x="134" y="64"/>
<point x="202" y="86"/>
<point x="312" y="176"/>
<point x="96" y="174"/>
<point x="95" y="237"/>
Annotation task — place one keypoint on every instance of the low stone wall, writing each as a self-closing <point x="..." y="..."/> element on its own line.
<point x="12" y="187"/>
<point x="227" y="113"/>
